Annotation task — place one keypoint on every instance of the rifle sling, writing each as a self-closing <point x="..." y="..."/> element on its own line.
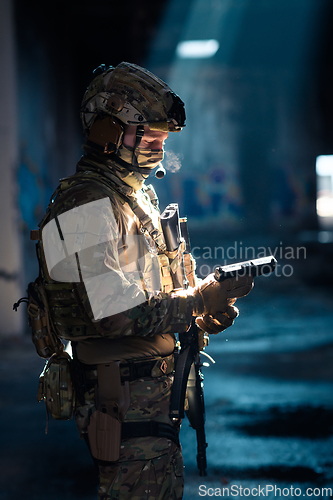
<point x="183" y="366"/>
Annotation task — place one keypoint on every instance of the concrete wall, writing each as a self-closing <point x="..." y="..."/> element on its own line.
<point x="254" y="127"/>
<point x="10" y="252"/>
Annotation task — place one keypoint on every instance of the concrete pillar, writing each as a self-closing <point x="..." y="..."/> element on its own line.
<point x="10" y="254"/>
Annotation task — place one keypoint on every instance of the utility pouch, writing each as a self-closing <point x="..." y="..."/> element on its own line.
<point x="44" y="339"/>
<point x="56" y="387"/>
<point x="112" y="402"/>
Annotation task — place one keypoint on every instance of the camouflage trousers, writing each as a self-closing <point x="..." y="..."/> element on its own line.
<point x="159" y="478"/>
<point x="149" y="468"/>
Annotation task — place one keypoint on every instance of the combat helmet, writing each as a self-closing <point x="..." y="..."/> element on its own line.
<point x="128" y="95"/>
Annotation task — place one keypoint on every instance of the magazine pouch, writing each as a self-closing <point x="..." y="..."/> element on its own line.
<point x="56" y="387"/>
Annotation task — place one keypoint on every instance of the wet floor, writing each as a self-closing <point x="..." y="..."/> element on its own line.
<point x="269" y="398"/>
<point x="269" y="409"/>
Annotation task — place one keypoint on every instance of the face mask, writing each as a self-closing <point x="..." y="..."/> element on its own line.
<point x="148" y="158"/>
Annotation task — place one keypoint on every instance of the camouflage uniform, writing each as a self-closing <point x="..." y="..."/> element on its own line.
<point x="148" y="467"/>
<point x="108" y="284"/>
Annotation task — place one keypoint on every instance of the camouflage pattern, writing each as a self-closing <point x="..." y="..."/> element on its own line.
<point x="56" y="387"/>
<point x="84" y="411"/>
<point x="70" y="307"/>
<point x="146" y="158"/>
<point x="159" y="478"/>
<point x="134" y="96"/>
<point x="150" y="400"/>
<point x="148" y="467"/>
<point x="43" y="337"/>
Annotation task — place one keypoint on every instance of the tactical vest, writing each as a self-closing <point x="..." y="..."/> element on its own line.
<point x="56" y="310"/>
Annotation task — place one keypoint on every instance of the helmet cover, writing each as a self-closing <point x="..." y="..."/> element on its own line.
<point x="134" y="96"/>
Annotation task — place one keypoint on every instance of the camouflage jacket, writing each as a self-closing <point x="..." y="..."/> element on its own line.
<point x="102" y="274"/>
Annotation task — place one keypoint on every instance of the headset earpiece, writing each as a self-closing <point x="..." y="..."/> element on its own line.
<point x="106" y="134"/>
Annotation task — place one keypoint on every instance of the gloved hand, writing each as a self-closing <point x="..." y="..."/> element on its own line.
<point x="219" y="322"/>
<point x="212" y="297"/>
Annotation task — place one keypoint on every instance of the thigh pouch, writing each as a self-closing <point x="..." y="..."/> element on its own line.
<point x="106" y="428"/>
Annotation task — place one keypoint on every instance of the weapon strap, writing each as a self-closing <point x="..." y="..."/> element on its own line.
<point x="188" y="377"/>
<point x="185" y="359"/>
<point x="184" y="362"/>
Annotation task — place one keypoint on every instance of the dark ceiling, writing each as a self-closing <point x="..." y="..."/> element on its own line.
<point x="78" y="36"/>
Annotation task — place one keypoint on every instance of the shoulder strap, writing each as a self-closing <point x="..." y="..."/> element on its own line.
<point x="96" y="179"/>
<point x="148" y="226"/>
<point x="152" y="195"/>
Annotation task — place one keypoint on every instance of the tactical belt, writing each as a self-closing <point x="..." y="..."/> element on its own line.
<point x="131" y="430"/>
<point x="157" y="367"/>
<point x="134" y="370"/>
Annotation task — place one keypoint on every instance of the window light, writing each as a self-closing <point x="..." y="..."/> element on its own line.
<point x="197" y="49"/>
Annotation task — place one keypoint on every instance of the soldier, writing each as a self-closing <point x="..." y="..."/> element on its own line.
<point x="109" y="284"/>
